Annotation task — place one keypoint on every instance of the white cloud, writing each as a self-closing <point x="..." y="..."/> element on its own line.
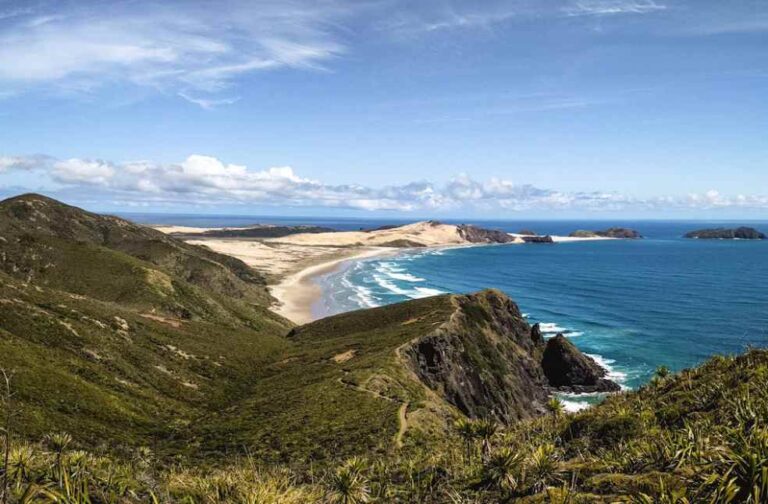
<point x="612" y="7"/>
<point x="207" y="180"/>
<point x="189" y="48"/>
<point x="80" y="171"/>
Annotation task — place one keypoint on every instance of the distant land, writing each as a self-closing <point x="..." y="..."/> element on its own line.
<point x="740" y="233"/>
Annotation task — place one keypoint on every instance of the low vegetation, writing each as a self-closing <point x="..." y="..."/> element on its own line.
<point x="696" y="436"/>
<point x="135" y="369"/>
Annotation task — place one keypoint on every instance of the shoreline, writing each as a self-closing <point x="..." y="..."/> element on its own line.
<point x="297" y="293"/>
<point x="291" y="264"/>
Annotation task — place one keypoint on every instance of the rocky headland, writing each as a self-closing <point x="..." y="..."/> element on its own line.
<point x="487" y="360"/>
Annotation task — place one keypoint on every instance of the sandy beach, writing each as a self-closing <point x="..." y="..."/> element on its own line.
<point x="297" y="293"/>
<point x="291" y="263"/>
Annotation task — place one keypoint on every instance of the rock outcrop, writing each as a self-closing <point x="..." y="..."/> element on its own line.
<point x="740" y="233"/>
<point x="537" y="239"/>
<point x="613" y="232"/>
<point x="488" y="361"/>
<point x="566" y="368"/>
<point x="474" y="234"/>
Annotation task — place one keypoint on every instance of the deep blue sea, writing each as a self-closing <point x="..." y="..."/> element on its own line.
<point x="632" y="304"/>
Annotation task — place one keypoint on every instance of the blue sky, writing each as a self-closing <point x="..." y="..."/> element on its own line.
<point x="569" y="108"/>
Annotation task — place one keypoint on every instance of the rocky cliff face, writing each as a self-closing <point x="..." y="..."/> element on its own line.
<point x="489" y="362"/>
<point x="740" y="233"/>
<point x="474" y="234"/>
<point x="568" y="369"/>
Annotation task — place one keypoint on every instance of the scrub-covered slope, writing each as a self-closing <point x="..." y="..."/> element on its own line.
<point x="45" y="242"/>
<point x="352" y="378"/>
<point x="123" y="335"/>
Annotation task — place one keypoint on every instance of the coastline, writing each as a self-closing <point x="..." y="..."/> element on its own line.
<point x="292" y="264"/>
<point x="297" y="293"/>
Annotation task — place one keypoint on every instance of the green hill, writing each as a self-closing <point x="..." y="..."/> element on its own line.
<point x="51" y="244"/>
<point x="173" y="380"/>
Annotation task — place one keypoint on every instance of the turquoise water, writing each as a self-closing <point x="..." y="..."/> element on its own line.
<point x="632" y="304"/>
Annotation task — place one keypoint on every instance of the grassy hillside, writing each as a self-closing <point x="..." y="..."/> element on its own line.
<point x="698" y="436"/>
<point x="48" y="243"/>
<point x="143" y="368"/>
<point x="113" y="375"/>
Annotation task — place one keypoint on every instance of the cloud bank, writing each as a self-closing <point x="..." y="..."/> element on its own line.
<point x="206" y="180"/>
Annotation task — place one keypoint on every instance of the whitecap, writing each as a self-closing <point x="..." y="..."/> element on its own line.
<point x="422" y="292"/>
<point x="612" y="373"/>
<point x="362" y="296"/>
<point x="574" y="406"/>
<point x="551" y="328"/>
<point x="386" y="284"/>
<point x="406" y="277"/>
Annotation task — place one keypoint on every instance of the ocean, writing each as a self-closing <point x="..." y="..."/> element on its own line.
<point x="631" y="304"/>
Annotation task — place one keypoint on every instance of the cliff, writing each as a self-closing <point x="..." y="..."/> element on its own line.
<point x="488" y="361"/>
<point x="474" y="234"/>
<point x="570" y="370"/>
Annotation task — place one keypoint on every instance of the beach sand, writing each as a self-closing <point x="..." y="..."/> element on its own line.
<point x="291" y="263"/>
<point x="297" y="293"/>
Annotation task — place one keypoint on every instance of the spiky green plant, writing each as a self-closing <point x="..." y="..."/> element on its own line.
<point x="556" y="407"/>
<point x="20" y="464"/>
<point x="348" y="484"/>
<point x="542" y="468"/>
<point x="467" y="431"/>
<point x="485" y="431"/>
<point x="662" y="372"/>
<point x="744" y="478"/>
<point x="502" y="470"/>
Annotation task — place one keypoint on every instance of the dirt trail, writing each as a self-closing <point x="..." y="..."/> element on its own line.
<point x="401" y="413"/>
<point x="401" y="416"/>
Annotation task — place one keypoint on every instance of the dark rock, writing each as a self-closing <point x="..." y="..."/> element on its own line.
<point x="619" y="232"/>
<point x="614" y="232"/>
<point x="488" y="361"/>
<point x="474" y="234"/>
<point x="537" y="239"/>
<point x="536" y="336"/>
<point x="567" y="368"/>
<point x="527" y="232"/>
<point x="740" y="233"/>
<point x="484" y="360"/>
<point x="583" y="233"/>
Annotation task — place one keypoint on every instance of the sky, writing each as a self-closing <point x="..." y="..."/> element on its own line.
<point x="493" y="109"/>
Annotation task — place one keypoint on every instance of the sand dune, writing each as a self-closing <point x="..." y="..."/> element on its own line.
<point x="291" y="263"/>
<point x="425" y="234"/>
